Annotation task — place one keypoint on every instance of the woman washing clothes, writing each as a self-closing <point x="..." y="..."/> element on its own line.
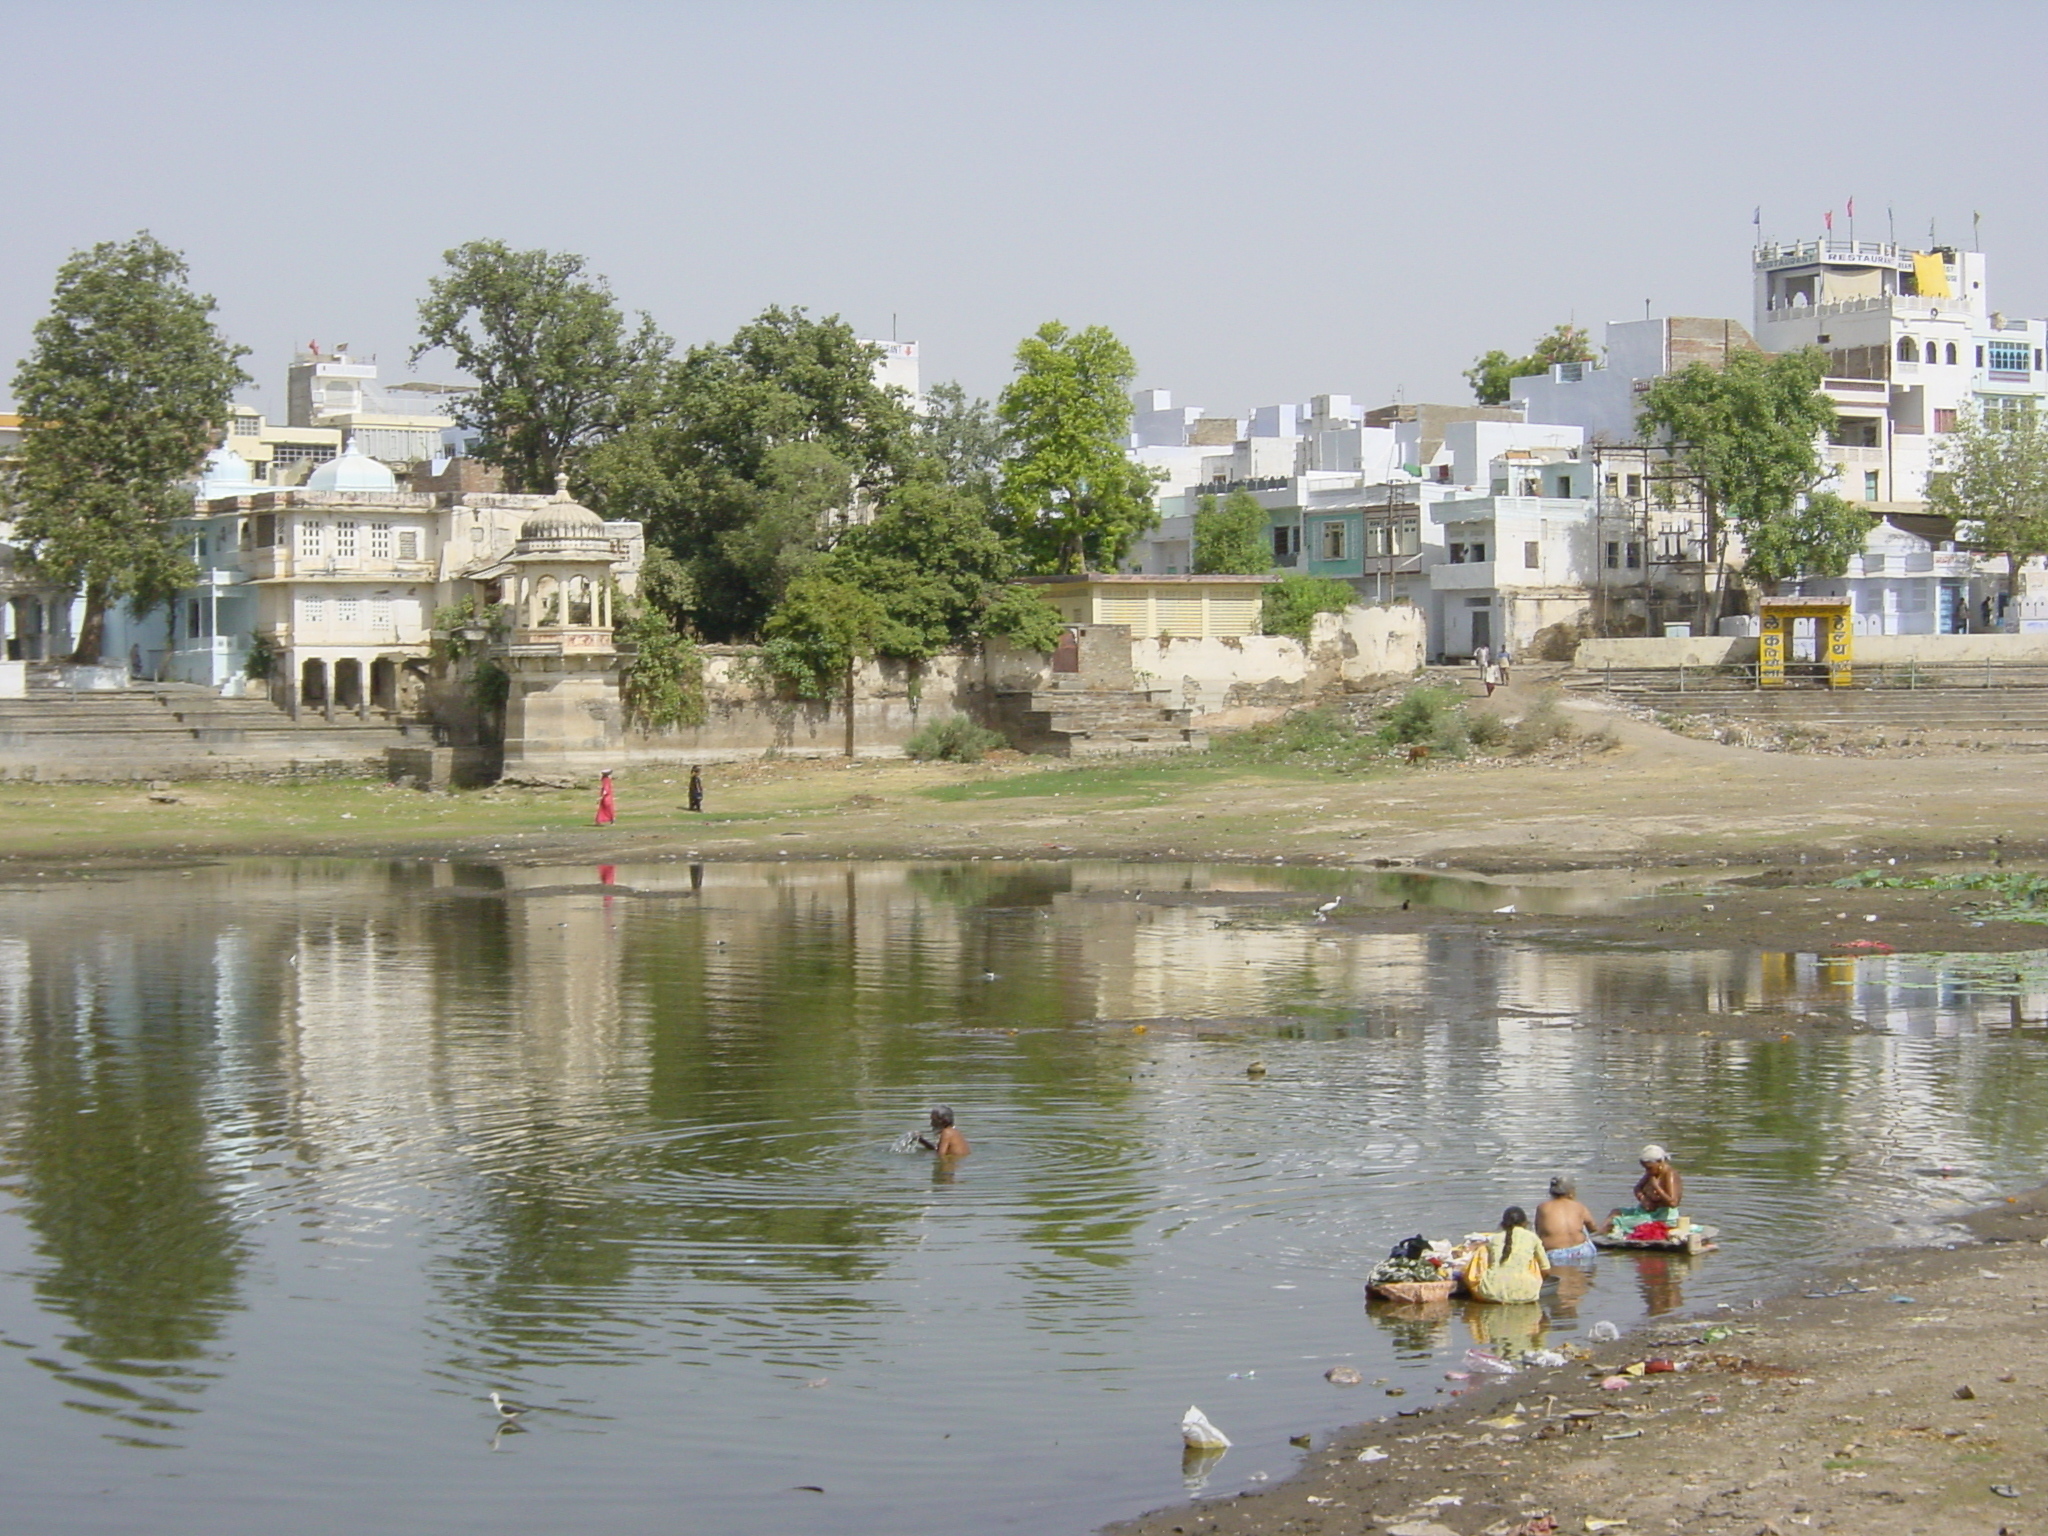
<point x="1658" y="1194"/>
<point x="1510" y="1265"/>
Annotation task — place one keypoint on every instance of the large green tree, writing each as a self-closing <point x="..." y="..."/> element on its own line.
<point x="754" y="458"/>
<point x="1232" y="539"/>
<point x="558" y="366"/>
<point x="1748" y="433"/>
<point x="963" y="440"/>
<point x="1991" y="475"/>
<point x="1072" y="498"/>
<point x="1493" y="373"/>
<point x="127" y="385"/>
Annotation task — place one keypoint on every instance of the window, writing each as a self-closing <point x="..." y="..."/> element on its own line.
<point x="2005" y="410"/>
<point x="1614" y="485"/>
<point x="312" y="610"/>
<point x="301" y="453"/>
<point x="1379" y="539"/>
<point x="309" y="538"/>
<point x="380" y="541"/>
<point x="345" y="540"/>
<point x="1286" y="540"/>
<point x="345" y="610"/>
<point x="1951" y="351"/>
<point x="1980" y="357"/>
<point x="1564" y="485"/>
<point x="1614" y="554"/>
<point x="248" y="426"/>
<point x="1870" y="485"/>
<point x="1461" y="554"/>
<point x="2008" y="357"/>
<point x="1331" y="544"/>
<point x="408" y="543"/>
<point x="1944" y="418"/>
<point x="1635" y="485"/>
<point x="1410" y="537"/>
<point x="1873" y="564"/>
<point x="380" y="612"/>
<point x="1908" y="351"/>
<point x="1532" y="555"/>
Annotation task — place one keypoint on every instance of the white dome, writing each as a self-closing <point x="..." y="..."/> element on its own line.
<point x="354" y="470"/>
<point x="225" y="473"/>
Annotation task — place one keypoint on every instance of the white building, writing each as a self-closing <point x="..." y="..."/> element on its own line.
<point x="338" y="580"/>
<point x="1912" y="343"/>
<point x="1904" y="584"/>
<point x="1603" y="398"/>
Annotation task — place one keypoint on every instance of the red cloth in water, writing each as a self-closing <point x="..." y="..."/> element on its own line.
<point x="1650" y="1232"/>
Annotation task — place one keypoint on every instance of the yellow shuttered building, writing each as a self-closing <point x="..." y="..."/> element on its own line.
<point x="1174" y="607"/>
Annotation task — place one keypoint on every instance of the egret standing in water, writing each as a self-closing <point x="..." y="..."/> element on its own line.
<point x="1323" y="912"/>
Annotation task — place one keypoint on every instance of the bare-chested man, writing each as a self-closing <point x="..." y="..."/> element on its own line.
<point x="1658" y="1193"/>
<point x="1565" y="1225"/>
<point x="950" y="1143"/>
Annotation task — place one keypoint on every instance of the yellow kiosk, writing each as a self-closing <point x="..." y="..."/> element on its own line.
<point x="1834" y="629"/>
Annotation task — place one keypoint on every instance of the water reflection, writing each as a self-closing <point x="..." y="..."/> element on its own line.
<point x="282" y="1135"/>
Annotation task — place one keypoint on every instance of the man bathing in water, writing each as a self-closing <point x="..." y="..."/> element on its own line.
<point x="950" y="1142"/>
<point x="1565" y="1226"/>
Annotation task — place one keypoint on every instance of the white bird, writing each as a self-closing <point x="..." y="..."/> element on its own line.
<point x="1508" y="910"/>
<point x="1323" y="912"/>
<point x="508" y="1411"/>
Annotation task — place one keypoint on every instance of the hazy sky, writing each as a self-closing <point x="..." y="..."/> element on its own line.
<point x="1266" y="200"/>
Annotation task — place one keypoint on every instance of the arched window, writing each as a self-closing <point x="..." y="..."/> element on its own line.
<point x="1951" y="352"/>
<point x="1909" y="352"/>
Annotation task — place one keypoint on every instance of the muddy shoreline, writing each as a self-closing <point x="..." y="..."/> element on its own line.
<point x="1897" y="1392"/>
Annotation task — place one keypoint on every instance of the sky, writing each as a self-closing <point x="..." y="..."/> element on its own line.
<point x="1266" y="200"/>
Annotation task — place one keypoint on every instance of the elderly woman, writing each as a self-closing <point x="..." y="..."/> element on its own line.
<point x="1510" y="1265"/>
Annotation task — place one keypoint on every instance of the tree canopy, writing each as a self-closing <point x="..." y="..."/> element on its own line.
<point x="558" y="367"/>
<point x="126" y="387"/>
<point x="753" y="458"/>
<point x="1071" y="497"/>
<point x="1492" y="373"/>
<point x="1991" y="475"/>
<point x="1232" y="539"/>
<point x="1749" y="432"/>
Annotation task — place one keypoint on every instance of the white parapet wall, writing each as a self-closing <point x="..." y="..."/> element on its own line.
<point x="1723" y="651"/>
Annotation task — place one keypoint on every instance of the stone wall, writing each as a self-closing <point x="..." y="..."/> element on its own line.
<point x="1226" y="681"/>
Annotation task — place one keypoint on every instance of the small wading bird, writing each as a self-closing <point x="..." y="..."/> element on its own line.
<point x="507" y="1410"/>
<point x="1323" y="912"/>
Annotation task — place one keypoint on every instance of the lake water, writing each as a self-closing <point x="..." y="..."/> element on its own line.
<point x="303" y="1158"/>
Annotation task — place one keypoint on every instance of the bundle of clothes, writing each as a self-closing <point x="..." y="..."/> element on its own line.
<point x="1409" y="1261"/>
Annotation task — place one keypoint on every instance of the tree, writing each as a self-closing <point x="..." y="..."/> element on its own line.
<point x="126" y="387"/>
<point x="1492" y="373"/>
<point x="1231" y="539"/>
<point x="964" y="440"/>
<point x="1073" y="500"/>
<point x="1748" y="433"/>
<point x="754" y="458"/>
<point x="1991" y="475"/>
<point x="824" y="629"/>
<point x="558" y="367"/>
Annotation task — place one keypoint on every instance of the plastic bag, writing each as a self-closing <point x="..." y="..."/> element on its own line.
<point x="1198" y="1432"/>
<point x="1603" y="1333"/>
<point x="1485" y="1364"/>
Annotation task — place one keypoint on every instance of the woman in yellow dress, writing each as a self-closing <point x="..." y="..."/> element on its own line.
<point x="1511" y="1265"/>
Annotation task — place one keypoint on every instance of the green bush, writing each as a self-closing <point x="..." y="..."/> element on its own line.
<point x="955" y="739"/>
<point x="1543" y="725"/>
<point x="1428" y="716"/>
<point x="1291" y="604"/>
<point x="1306" y="738"/>
<point x="1486" y="729"/>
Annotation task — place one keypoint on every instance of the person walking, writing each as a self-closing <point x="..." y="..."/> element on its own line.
<point x="696" y="788"/>
<point x="1504" y="661"/>
<point x="607" y="806"/>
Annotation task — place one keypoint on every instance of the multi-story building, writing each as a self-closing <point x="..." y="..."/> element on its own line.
<point x="1912" y="343"/>
<point x="337" y="581"/>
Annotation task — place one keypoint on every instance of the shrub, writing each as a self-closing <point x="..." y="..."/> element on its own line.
<point x="1305" y="738"/>
<point x="1291" y="604"/>
<point x="955" y="739"/>
<point x="1429" y="716"/>
<point x="1487" y="729"/>
<point x="1543" y="725"/>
